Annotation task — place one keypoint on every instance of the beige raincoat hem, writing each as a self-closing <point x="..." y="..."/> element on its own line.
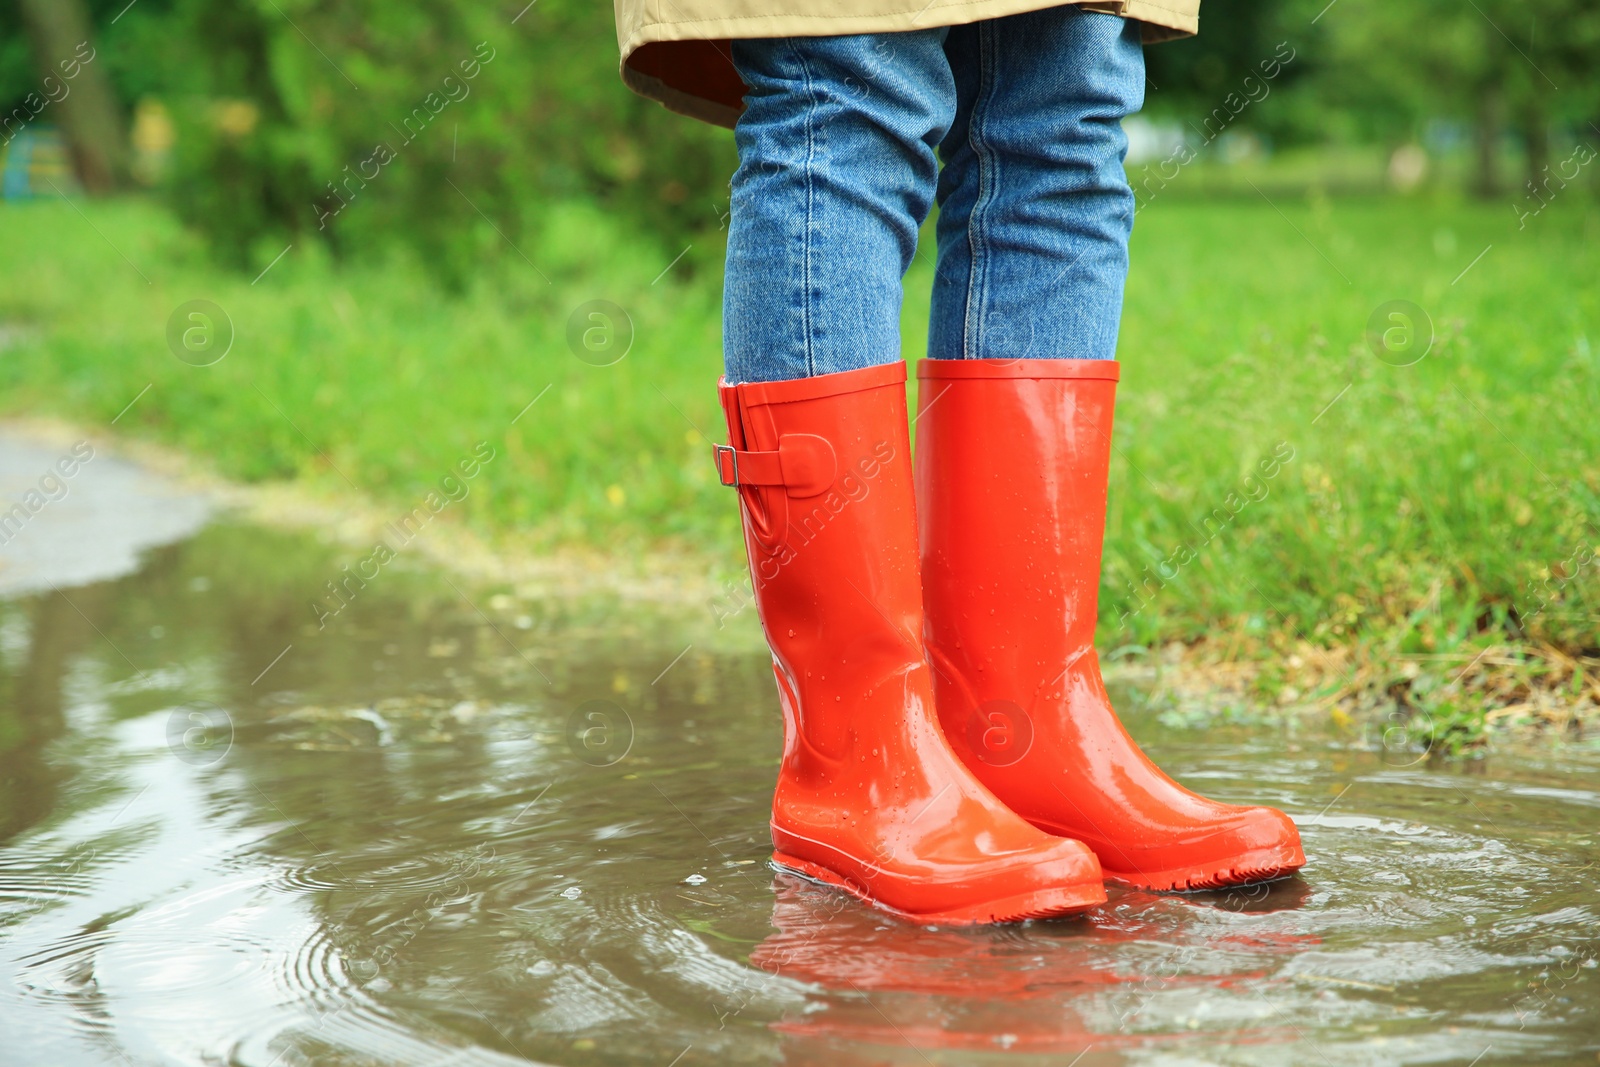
<point x="684" y="62"/>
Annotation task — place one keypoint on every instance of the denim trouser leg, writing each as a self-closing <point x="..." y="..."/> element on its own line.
<point x="837" y="171"/>
<point x="1034" y="207"/>
<point x="836" y="174"/>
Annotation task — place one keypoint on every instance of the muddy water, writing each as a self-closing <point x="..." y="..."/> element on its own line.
<point x="442" y="830"/>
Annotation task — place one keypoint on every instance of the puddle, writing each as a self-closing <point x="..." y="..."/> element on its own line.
<point x="436" y="831"/>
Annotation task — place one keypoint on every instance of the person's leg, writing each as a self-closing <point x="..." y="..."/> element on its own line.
<point x="836" y="174"/>
<point x="1014" y="449"/>
<point x="1034" y="207"/>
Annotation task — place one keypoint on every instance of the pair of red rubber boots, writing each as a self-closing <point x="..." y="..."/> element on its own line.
<point x="949" y="750"/>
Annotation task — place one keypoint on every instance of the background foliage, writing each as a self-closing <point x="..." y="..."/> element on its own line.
<point x="322" y="85"/>
<point x="278" y="103"/>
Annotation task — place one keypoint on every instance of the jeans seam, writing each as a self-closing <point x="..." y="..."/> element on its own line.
<point x="987" y="166"/>
<point x="808" y="352"/>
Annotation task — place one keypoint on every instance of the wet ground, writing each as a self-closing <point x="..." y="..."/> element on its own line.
<point x="244" y="821"/>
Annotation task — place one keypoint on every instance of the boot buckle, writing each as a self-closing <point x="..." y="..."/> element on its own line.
<point x="803" y="464"/>
<point x="729" y="470"/>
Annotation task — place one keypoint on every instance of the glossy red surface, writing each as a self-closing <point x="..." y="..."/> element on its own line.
<point x="870" y="797"/>
<point x="1012" y="465"/>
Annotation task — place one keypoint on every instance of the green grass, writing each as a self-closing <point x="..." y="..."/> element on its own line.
<point x="1429" y="507"/>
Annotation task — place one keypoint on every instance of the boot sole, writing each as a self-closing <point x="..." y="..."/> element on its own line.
<point x="1040" y="904"/>
<point x="1248" y="868"/>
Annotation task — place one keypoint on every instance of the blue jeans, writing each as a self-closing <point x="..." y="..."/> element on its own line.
<point x="837" y="172"/>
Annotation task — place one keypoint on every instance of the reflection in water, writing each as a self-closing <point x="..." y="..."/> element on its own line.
<point x="401" y="851"/>
<point x="1043" y="988"/>
<point x="37" y="639"/>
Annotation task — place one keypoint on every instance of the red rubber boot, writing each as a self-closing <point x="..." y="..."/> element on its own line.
<point x="870" y="797"/>
<point x="1012" y="463"/>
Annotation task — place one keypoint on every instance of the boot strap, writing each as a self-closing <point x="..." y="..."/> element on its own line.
<point x="804" y="464"/>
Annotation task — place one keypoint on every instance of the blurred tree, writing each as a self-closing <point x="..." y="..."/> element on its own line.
<point x="1371" y="70"/>
<point x="447" y="127"/>
<point x="1196" y="72"/>
<point x="77" y="91"/>
<point x="1241" y="39"/>
<point x="1496" y="64"/>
